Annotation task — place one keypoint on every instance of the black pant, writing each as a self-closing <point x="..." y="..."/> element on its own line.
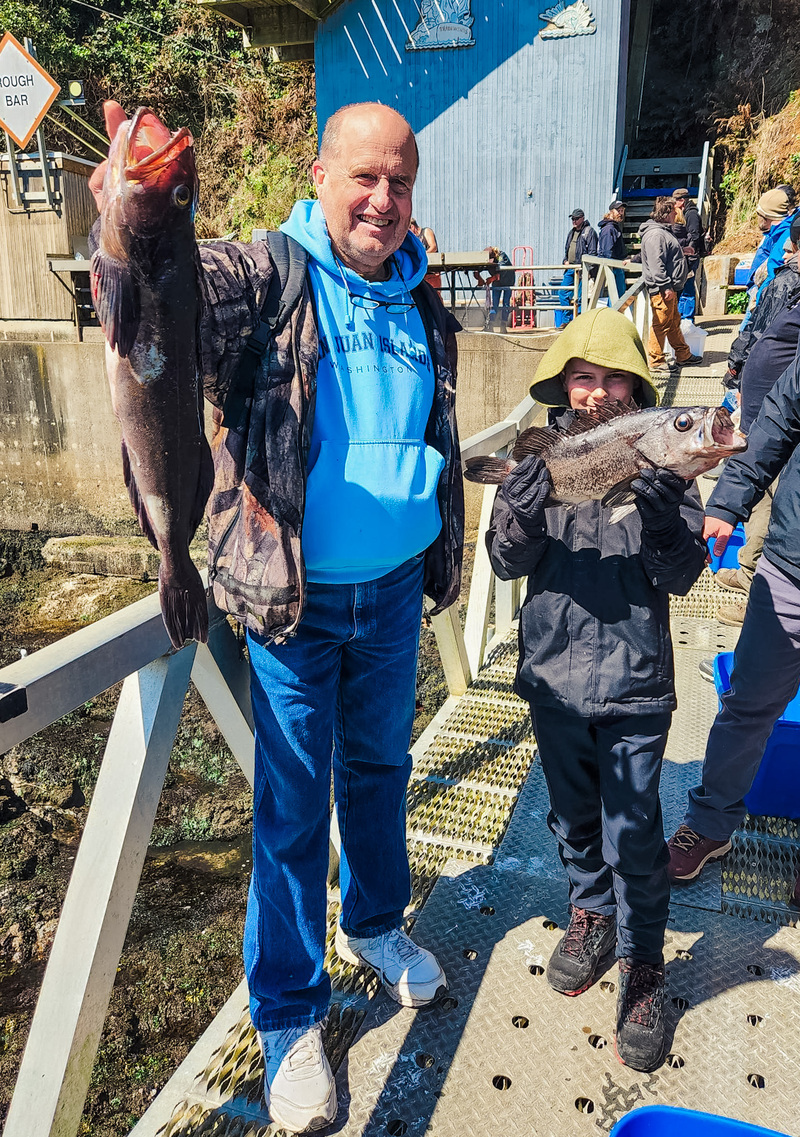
<point x="603" y="777"/>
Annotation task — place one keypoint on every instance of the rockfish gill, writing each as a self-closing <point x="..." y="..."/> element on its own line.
<point x="602" y="450"/>
<point x="145" y="291"/>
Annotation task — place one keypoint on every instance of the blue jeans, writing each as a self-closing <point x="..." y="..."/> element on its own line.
<point x="565" y="295"/>
<point x="339" y="693"/>
<point x="501" y="300"/>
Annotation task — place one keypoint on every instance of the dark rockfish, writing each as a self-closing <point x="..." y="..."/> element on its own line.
<point x="145" y="291"/>
<point x="597" y="457"/>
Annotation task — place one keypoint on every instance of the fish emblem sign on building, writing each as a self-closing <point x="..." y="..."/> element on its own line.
<point x="565" y="19"/>
<point x="442" y="23"/>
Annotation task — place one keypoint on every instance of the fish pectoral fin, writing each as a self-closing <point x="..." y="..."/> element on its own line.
<point x="535" y="440"/>
<point x="139" y="507"/>
<point x="488" y="471"/>
<point x="620" y="494"/>
<point x="620" y="511"/>
<point x="115" y="296"/>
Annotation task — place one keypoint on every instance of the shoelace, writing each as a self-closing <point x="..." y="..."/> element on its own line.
<point x="581" y="925"/>
<point x="398" y="944"/>
<point x="685" y="839"/>
<point x="300" y="1052"/>
<point x="643" y="985"/>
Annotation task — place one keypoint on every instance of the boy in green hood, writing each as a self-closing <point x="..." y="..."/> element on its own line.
<point x="596" y="666"/>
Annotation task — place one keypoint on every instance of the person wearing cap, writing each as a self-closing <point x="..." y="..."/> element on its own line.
<point x="664" y="270"/>
<point x="581" y="241"/>
<point x="610" y="242"/>
<point x="596" y="666"/>
<point x="694" y="249"/>
<point x="775" y="211"/>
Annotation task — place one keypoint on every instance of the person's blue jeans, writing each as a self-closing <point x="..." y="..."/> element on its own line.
<point x="501" y="300"/>
<point x="565" y="295"/>
<point x="340" y="693"/>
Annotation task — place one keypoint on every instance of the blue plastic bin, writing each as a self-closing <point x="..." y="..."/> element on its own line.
<point x="671" y="1121"/>
<point x="776" y="789"/>
<point x="730" y="558"/>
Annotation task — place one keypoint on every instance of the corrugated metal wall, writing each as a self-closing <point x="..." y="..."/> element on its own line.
<point x="514" y="132"/>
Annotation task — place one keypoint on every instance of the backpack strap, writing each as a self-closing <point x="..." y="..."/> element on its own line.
<point x="285" y="287"/>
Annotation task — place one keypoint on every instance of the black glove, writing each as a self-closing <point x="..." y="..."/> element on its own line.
<point x="659" y="494"/>
<point x="731" y="379"/>
<point x="525" y="491"/>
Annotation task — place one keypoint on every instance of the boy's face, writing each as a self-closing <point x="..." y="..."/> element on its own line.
<point x="590" y="385"/>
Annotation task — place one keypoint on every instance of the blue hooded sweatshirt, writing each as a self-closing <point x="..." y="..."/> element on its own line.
<point x="372" y="479"/>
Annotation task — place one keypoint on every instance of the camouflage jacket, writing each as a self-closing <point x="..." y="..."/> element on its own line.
<point x="255" y="510"/>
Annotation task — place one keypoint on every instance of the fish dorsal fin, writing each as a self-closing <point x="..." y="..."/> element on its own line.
<point x="535" y="440"/>
<point x="487" y="471"/>
<point x="596" y="416"/>
<point x="116" y="301"/>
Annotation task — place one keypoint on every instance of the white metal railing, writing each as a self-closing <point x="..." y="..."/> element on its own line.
<point x="634" y="301"/>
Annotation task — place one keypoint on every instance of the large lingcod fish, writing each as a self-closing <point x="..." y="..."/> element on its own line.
<point x="145" y="291"/>
<point x="598" y="456"/>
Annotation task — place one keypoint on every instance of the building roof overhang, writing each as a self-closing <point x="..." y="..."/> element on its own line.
<point x="287" y="26"/>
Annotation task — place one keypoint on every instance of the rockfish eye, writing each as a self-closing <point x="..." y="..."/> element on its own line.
<point x="683" y="422"/>
<point x="182" y="195"/>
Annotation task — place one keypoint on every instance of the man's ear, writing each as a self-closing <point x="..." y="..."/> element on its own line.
<point x="318" y="173"/>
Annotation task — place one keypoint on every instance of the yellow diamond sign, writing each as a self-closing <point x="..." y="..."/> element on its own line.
<point x="26" y="91"/>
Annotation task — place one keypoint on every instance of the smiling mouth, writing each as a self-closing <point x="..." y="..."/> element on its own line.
<point x="377" y="222"/>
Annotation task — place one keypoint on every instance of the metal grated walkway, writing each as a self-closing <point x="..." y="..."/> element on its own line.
<point x="504" y="1054"/>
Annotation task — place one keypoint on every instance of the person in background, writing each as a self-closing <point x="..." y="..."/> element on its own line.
<point x="611" y="243"/>
<point x="664" y="270"/>
<point x="428" y="239"/>
<point x="775" y="211"/>
<point x="693" y="250"/>
<point x="498" y="284"/>
<point x="596" y="667"/>
<point x="581" y="240"/>
<point x="766" y="662"/>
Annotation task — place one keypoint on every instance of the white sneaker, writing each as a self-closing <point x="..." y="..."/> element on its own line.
<point x="411" y="975"/>
<point x="298" y="1084"/>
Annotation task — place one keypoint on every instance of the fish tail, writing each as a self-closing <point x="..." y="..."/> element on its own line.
<point x="183" y="605"/>
<point x="488" y="471"/>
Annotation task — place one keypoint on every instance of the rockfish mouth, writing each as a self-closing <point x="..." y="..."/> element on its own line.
<point x="601" y="451"/>
<point x="150" y="147"/>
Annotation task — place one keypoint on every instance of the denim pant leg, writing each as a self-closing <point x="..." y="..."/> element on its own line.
<point x="371" y="761"/>
<point x="568" y="751"/>
<point x="766" y="671"/>
<point x="631" y="749"/>
<point x="565" y="295"/>
<point x="294" y="690"/>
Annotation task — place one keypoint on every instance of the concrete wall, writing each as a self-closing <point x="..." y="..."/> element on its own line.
<point x="60" y="466"/>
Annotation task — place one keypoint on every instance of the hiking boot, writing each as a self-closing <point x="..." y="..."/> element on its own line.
<point x="298" y="1084"/>
<point x="411" y="975"/>
<point x="706" y="669"/>
<point x="732" y="614"/>
<point x="689" y="852"/>
<point x="729" y="578"/>
<point x="639" y="1040"/>
<point x="588" y="938"/>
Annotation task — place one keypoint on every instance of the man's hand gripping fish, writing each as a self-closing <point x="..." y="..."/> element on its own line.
<point x="601" y="452"/>
<point x="145" y="291"/>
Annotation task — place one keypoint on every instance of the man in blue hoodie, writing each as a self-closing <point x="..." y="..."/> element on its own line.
<point x="338" y="691"/>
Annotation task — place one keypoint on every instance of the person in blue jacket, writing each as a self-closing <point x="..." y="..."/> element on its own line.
<point x="611" y="243"/>
<point x="775" y="212"/>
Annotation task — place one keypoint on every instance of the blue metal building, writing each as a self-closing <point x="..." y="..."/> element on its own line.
<point x="514" y="129"/>
<point x="518" y="105"/>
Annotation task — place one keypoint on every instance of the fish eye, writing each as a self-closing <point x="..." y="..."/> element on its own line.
<point x="683" y="422"/>
<point x="182" y="195"/>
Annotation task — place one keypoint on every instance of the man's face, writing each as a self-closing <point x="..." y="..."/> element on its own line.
<point x="764" y="223"/>
<point x="577" y="222"/>
<point x="365" y="187"/>
<point x="590" y="385"/>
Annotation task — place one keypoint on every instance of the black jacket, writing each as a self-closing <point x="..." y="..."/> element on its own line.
<point x="587" y="243"/>
<point x="773" y="447"/>
<point x="610" y="243"/>
<point x="782" y="291"/>
<point x="768" y="359"/>
<point x="594" y="628"/>
<point x="694" y="228"/>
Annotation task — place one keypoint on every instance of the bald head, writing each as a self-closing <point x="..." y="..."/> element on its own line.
<point x="367" y="116"/>
<point x="364" y="177"/>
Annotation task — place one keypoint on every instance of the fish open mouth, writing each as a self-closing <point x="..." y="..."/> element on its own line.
<point x="151" y="146"/>
<point x="723" y="432"/>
